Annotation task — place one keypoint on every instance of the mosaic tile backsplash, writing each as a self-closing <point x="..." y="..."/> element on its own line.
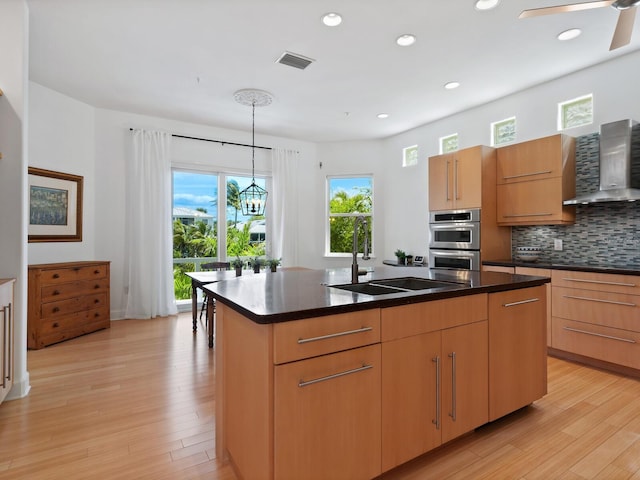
<point x="605" y="234"/>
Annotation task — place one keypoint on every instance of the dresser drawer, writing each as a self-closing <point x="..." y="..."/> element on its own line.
<point x="53" y="325"/>
<point x="52" y="293"/>
<point x="72" y="305"/>
<point x="321" y="335"/>
<point x="603" y="343"/>
<point x="605" y="282"/>
<point x="615" y="310"/>
<point x="69" y="274"/>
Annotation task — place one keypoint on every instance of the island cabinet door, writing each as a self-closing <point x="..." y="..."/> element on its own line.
<point x="410" y="398"/>
<point x="465" y="379"/>
<point x="517" y="349"/>
<point x="327" y="416"/>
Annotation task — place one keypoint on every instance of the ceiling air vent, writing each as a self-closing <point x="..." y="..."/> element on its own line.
<point x="294" y="60"/>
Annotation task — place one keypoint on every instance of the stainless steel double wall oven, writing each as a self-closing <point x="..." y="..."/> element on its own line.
<point x="455" y="239"/>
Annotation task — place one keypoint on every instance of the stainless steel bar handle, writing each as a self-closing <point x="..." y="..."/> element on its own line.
<point x="304" y="383"/>
<point x="513" y="304"/>
<point x="600" y="282"/>
<point x="610" y="337"/>
<point x="455" y="179"/>
<point x="5" y="346"/>
<point x="626" y="304"/>
<point x="513" y="215"/>
<point x="452" y="414"/>
<point x="447" y="180"/>
<point x="527" y="174"/>
<point x="9" y="343"/>
<point x="334" y="335"/>
<point x="436" y="422"/>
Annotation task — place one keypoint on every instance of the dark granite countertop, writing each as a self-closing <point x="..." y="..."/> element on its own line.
<point x="624" y="270"/>
<point x="295" y="294"/>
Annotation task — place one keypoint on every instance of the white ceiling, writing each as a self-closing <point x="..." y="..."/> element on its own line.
<point x="184" y="59"/>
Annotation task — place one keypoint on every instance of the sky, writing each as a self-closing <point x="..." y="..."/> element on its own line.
<point x="199" y="190"/>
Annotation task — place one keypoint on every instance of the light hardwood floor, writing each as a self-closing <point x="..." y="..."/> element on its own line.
<point x="137" y="401"/>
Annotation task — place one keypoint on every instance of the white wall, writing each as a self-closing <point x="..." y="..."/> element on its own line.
<point x="13" y="167"/>
<point x="61" y="138"/>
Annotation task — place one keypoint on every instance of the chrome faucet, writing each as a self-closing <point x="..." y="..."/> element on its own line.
<point x="365" y="254"/>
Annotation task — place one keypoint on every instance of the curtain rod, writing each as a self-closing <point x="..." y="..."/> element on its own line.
<point x="222" y="142"/>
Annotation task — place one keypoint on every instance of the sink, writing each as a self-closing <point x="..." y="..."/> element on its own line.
<point x="413" y="283"/>
<point x="366" y="288"/>
<point x="396" y="285"/>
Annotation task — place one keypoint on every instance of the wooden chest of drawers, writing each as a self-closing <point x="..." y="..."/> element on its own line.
<point x="66" y="300"/>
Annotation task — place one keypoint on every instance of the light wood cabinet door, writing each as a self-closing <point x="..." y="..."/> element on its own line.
<point x="465" y="379"/>
<point x="498" y="268"/>
<point x="327" y="416"/>
<point x="410" y="399"/>
<point x="541" y="272"/>
<point x="534" y="160"/>
<point x="455" y="180"/>
<point x="517" y="349"/>
<point x="537" y="202"/>
<point x="434" y="389"/>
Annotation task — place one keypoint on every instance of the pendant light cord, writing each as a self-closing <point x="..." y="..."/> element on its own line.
<point x="253" y="142"/>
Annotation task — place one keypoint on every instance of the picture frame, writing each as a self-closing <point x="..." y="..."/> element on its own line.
<point x="55" y="206"/>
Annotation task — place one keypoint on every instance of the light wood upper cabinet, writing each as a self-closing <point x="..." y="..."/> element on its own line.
<point x="533" y="179"/>
<point x="456" y="179"/>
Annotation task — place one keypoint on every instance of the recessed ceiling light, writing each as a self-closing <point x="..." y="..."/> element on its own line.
<point x="451" y="85"/>
<point x="486" y="4"/>
<point x="332" y="19"/>
<point x="569" y="34"/>
<point x="383" y="115"/>
<point x="406" y="40"/>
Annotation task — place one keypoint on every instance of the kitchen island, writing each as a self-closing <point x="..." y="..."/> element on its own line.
<point x="317" y="381"/>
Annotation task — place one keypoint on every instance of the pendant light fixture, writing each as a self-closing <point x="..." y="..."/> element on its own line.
<point x="253" y="199"/>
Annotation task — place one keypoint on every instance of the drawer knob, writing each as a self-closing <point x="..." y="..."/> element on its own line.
<point x="56" y="292"/>
<point x="55" y="275"/>
<point x="97" y="287"/>
<point x="96" y="315"/>
<point x="96" y="301"/>
<point x="96" y="272"/>
<point x="55" y="325"/>
<point x="55" y="309"/>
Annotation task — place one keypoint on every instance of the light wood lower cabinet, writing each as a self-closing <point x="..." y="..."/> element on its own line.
<point x="541" y="272"/>
<point x="327" y="416"/>
<point x="517" y="349"/>
<point x="434" y="389"/>
<point x="434" y="384"/>
<point x="597" y="315"/>
<point x="6" y="337"/>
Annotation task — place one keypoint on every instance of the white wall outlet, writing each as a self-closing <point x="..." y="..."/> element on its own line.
<point x="557" y="244"/>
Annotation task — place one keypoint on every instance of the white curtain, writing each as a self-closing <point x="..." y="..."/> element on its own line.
<point x="149" y="232"/>
<point x="284" y="206"/>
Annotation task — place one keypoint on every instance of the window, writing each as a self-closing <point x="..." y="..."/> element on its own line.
<point x="503" y="131"/>
<point x="449" y="143"/>
<point x="576" y="112"/>
<point x="199" y="236"/>
<point x="410" y="156"/>
<point x="348" y="198"/>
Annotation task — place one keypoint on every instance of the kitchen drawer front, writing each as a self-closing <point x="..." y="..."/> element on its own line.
<point x="70" y="274"/>
<point x="603" y="343"/>
<point x="52" y="325"/>
<point x="52" y="293"/>
<point x="72" y="305"/>
<point x="417" y="318"/>
<point x="615" y="310"/>
<point x="321" y="335"/>
<point x="606" y="282"/>
<point x="532" y="160"/>
<point x="533" y="202"/>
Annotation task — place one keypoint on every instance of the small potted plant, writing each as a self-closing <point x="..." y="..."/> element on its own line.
<point x="237" y="263"/>
<point x="273" y="263"/>
<point x="401" y="256"/>
<point x="256" y="263"/>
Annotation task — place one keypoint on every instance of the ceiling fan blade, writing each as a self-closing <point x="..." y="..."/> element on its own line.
<point x="624" y="28"/>
<point x="574" y="7"/>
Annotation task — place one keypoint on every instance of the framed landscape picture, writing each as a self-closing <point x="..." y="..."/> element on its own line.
<point x="55" y="206"/>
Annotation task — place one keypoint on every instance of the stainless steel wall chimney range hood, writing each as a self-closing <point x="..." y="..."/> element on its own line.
<point x="619" y="165"/>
